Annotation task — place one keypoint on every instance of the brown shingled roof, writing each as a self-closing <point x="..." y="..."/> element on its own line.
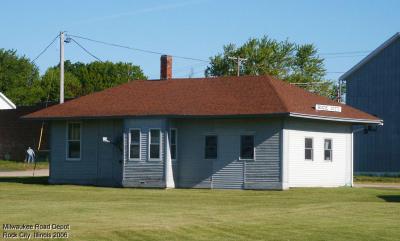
<point x="221" y="96"/>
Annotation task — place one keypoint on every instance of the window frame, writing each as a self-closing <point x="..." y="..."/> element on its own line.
<point x="254" y="148"/>
<point x="205" y="146"/>
<point x="67" y="140"/>
<point x="331" y="150"/>
<point x="176" y="143"/>
<point x="140" y="144"/>
<point x="149" y="145"/>
<point x="312" y="148"/>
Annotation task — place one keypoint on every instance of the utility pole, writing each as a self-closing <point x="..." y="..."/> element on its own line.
<point x="61" y="67"/>
<point x="239" y="63"/>
<point x="340" y="91"/>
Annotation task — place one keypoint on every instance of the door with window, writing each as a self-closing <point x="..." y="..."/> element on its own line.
<point x="228" y="168"/>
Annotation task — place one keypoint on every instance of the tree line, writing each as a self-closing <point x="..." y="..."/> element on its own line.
<point x="21" y="82"/>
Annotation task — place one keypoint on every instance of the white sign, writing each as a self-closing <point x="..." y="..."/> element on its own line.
<point x="328" y="108"/>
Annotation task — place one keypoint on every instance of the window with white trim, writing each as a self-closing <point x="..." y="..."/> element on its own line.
<point x="328" y="149"/>
<point x="211" y="147"/>
<point x="74" y="141"/>
<point x="247" y="147"/>
<point x="155" y="143"/>
<point x="134" y="144"/>
<point x="174" y="140"/>
<point x="308" y="149"/>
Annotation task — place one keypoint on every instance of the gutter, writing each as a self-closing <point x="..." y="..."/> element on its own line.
<point x="250" y="116"/>
<point x="339" y="119"/>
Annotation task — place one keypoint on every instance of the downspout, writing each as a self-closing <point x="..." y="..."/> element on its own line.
<point x="352" y="159"/>
<point x="169" y="175"/>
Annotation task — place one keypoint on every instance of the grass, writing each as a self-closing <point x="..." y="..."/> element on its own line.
<point x="376" y="179"/>
<point x="97" y="213"/>
<point x="21" y="166"/>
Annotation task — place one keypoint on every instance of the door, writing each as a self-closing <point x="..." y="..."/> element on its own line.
<point x="109" y="171"/>
<point x="228" y="171"/>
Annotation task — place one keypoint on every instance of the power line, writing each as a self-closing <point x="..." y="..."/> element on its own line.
<point x="349" y="52"/>
<point x="87" y="51"/>
<point x="345" y="56"/>
<point x="45" y="49"/>
<point x="136" y="49"/>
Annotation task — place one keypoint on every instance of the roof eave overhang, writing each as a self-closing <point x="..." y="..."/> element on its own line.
<point x="227" y="116"/>
<point x="338" y="119"/>
<point x="291" y="114"/>
<point x="370" y="56"/>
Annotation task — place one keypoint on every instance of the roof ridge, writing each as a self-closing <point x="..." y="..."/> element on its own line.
<point x="284" y="104"/>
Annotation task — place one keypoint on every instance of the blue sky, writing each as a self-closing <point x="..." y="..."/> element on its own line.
<point x="195" y="28"/>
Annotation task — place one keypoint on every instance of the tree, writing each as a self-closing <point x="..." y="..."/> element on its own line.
<point x="50" y="84"/>
<point x="82" y="79"/>
<point x="285" y="60"/>
<point x="19" y="78"/>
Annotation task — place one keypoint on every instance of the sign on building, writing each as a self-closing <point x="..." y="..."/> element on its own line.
<point x="332" y="108"/>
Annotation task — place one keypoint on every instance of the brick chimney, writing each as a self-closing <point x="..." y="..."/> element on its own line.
<point x="166" y="67"/>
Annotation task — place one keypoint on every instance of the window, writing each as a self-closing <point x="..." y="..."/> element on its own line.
<point x="174" y="140"/>
<point x="134" y="144"/>
<point x="247" y="147"/>
<point x="211" y="147"/>
<point x="328" y="150"/>
<point x="155" y="141"/>
<point x="74" y="141"/>
<point x="308" y="149"/>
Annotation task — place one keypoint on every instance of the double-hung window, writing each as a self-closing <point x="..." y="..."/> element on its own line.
<point x="308" y="149"/>
<point x="74" y="141"/>
<point x="154" y="143"/>
<point x="211" y="147"/>
<point x="328" y="149"/>
<point x="174" y="140"/>
<point x="134" y="144"/>
<point x="247" y="147"/>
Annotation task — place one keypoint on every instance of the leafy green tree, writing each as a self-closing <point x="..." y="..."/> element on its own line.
<point x="50" y="84"/>
<point x="19" y="78"/>
<point x="82" y="79"/>
<point x="285" y="60"/>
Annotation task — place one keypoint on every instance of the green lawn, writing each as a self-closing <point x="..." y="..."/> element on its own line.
<point x="21" y="166"/>
<point x="375" y="179"/>
<point x="96" y="213"/>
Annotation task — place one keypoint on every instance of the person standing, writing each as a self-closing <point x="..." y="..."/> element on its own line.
<point x="31" y="155"/>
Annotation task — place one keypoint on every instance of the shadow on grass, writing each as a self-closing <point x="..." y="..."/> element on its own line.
<point x="26" y="180"/>
<point x="390" y="198"/>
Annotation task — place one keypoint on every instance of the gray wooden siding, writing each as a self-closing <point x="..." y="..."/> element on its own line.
<point x="100" y="162"/>
<point x="144" y="172"/>
<point x="227" y="171"/>
<point x="375" y="88"/>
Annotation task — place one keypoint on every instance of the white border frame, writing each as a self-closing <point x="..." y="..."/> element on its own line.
<point x="176" y="142"/>
<point x="149" y="144"/>
<point x="67" y="141"/>
<point x="254" y="147"/>
<point x="312" y="149"/>
<point x="129" y="144"/>
<point x="331" y="160"/>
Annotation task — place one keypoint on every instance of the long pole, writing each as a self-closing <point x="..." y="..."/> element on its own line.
<point x="61" y="67"/>
<point x="239" y="62"/>
<point x="238" y="66"/>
